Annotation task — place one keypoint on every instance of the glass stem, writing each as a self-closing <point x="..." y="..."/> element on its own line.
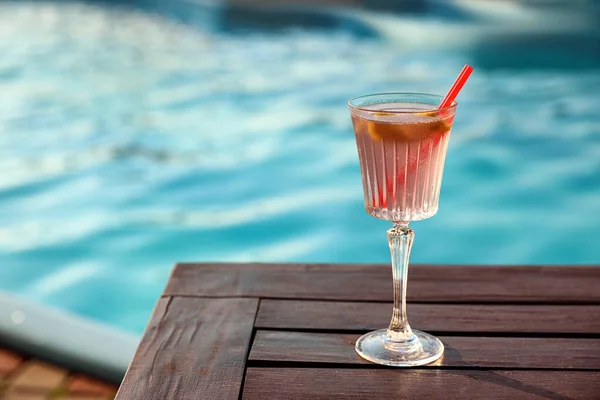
<point x="400" y="238"/>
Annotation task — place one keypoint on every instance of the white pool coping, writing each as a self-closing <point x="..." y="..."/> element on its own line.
<point x="65" y="339"/>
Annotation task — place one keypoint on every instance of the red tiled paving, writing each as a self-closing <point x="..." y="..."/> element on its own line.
<point x="24" y="396"/>
<point x="84" y="385"/>
<point x="23" y="378"/>
<point x="37" y="375"/>
<point x="9" y="361"/>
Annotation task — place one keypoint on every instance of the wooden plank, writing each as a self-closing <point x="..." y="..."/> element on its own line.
<point x="382" y="384"/>
<point x="192" y="346"/>
<point x="483" y="352"/>
<point x="427" y="283"/>
<point x="449" y="318"/>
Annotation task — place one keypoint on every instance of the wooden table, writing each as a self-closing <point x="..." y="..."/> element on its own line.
<point x="266" y="331"/>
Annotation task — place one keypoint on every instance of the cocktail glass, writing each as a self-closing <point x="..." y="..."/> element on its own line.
<point x="402" y="140"/>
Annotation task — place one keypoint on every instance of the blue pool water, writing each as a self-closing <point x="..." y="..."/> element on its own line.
<point x="134" y="138"/>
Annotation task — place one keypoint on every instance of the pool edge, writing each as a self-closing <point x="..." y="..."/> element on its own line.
<point x="65" y="339"/>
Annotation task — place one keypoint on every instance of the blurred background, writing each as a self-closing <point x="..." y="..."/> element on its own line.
<point x="141" y="133"/>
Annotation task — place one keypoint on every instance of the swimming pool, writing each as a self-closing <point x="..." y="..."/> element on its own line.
<point x="131" y="139"/>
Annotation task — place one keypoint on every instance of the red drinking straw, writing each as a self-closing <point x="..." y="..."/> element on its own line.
<point x="457" y="86"/>
<point x="447" y="102"/>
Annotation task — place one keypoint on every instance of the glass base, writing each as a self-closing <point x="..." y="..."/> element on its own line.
<point x="422" y="348"/>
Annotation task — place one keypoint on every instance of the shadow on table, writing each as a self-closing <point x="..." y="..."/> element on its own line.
<point x="502" y="380"/>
